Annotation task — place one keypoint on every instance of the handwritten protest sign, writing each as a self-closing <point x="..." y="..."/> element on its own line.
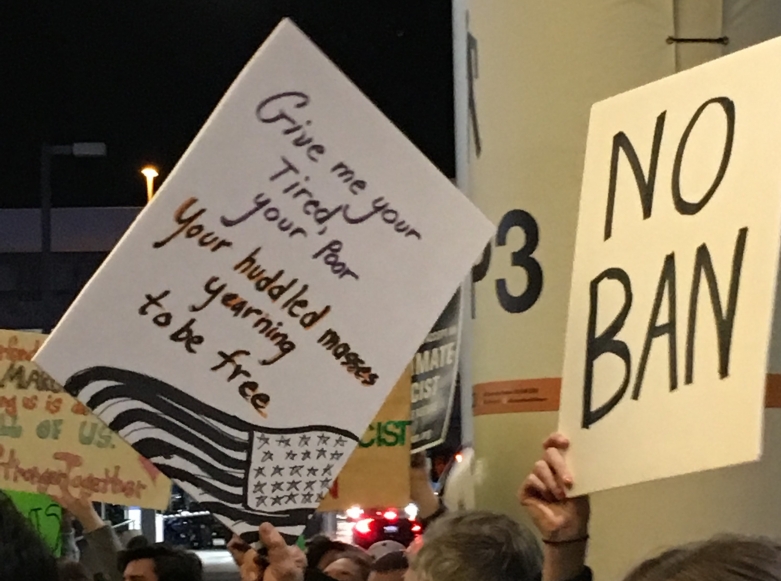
<point x="250" y="324"/>
<point x="378" y="471"/>
<point x="44" y="515"/>
<point x="675" y="275"/>
<point x="435" y="370"/>
<point x="49" y="440"/>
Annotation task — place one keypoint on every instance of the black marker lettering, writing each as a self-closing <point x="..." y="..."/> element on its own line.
<point x="703" y="265"/>
<point x="690" y="208"/>
<point x="656" y="330"/>
<point x="645" y="185"/>
<point x="598" y="345"/>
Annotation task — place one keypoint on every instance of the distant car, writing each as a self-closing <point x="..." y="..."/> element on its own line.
<point x="389" y="524"/>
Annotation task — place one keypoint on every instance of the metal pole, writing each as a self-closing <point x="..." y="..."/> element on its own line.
<point x="46" y="238"/>
<point x="149" y="524"/>
<point x="461" y="93"/>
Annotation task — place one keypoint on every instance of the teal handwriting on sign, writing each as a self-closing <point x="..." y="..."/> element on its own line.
<point x="44" y="514"/>
<point x="95" y="434"/>
<point x="49" y="429"/>
<point x="9" y="427"/>
<point x="381" y="434"/>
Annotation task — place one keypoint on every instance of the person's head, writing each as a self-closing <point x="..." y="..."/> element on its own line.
<point x="476" y="546"/>
<point x="23" y="555"/>
<point x="349" y="566"/>
<point x="160" y="562"/>
<point x="137" y="542"/>
<point x="390" y="567"/>
<point x="728" y="558"/>
<point x="321" y="551"/>
<point x="382" y="548"/>
<point x="72" y="571"/>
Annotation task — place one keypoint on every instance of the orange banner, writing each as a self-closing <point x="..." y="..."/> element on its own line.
<point x="542" y="395"/>
<point x="517" y="395"/>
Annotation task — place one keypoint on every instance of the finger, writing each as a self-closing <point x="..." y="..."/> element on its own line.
<point x="544" y="473"/>
<point x="250" y="569"/>
<point x="298" y="556"/>
<point x="273" y="541"/>
<point x="418" y="460"/>
<point x="556" y="440"/>
<point x="533" y="488"/>
<point x="555" y="460"/>
<point x="238" y="543"/>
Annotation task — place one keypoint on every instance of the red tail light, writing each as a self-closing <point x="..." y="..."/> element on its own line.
<point x="363" y="527"/>
<point x="391" y="515"/>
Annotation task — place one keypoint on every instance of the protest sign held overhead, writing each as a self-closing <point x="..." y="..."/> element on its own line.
<point x="253" y="320"/>
<point x="52" y="443"/>
<point x="675" y="275"/>
<point x="435" y="371"/>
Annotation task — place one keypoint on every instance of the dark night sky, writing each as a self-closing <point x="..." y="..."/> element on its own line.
<point x="144" y="75"/>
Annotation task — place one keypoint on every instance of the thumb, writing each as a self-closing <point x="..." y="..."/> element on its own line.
<point x="273" y="541"/>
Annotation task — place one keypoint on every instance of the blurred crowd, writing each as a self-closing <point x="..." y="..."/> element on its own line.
<point x="458" y="545"/>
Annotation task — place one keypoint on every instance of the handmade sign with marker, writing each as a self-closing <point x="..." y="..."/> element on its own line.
<point x="675" y="275"/>
<point x="250" y="324"/>
<point x="52" y="443"/>
<point x="44" y="514"/>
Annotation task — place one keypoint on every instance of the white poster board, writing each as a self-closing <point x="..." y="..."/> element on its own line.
<point x="675" y="275"/>
<point x="250" y="324"/>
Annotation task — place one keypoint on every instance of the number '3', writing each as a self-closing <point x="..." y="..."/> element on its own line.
<point x="521" y="258"/>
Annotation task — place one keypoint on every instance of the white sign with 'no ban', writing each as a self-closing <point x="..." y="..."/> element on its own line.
<point x="250" y="324"/>
<point x="675" y="275"/>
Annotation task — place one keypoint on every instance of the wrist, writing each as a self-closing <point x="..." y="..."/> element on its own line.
<point x="92" y="523"/>
<point x="563" y="561"/>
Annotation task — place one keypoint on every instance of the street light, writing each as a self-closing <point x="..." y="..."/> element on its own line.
<point x="150" y="173"/>
<point x="80" y="149"/>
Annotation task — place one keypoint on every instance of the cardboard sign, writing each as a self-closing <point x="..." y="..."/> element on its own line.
<point x="256" y="315"/>
<point x="435" y="370"/>
<point x="50" y="442"/>
<point x="44" y="514"/>
<point x="675" y="275"/>
<point x="377" y="473"/>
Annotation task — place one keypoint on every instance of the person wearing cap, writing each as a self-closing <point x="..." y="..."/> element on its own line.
<point x="390" y="567"/>
<point x="381" y="548"/>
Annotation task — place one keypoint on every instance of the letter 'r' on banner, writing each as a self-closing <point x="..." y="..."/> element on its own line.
<point x="674" y="279"/>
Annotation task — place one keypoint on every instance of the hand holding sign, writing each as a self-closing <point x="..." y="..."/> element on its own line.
<point x="545" y="495"/>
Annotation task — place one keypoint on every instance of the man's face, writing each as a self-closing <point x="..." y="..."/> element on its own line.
<point x="140" y="570"/>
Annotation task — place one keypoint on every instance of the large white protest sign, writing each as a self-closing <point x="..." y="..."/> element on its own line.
<point x="248" y="327"/>
<point x="675" y="275"/>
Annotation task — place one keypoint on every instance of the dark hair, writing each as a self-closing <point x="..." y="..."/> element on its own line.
<point x="319" y="546"/>
<point x="725" y="558"/>
<point x="137" y="542"/>
<point x="171" y="564"/>
<point x="395" y="561"/>
<point x="23" y="554"/>
<point x="72" y="571"/>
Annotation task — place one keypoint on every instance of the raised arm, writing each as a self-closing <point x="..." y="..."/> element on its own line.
<point x="561" y="520"/>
